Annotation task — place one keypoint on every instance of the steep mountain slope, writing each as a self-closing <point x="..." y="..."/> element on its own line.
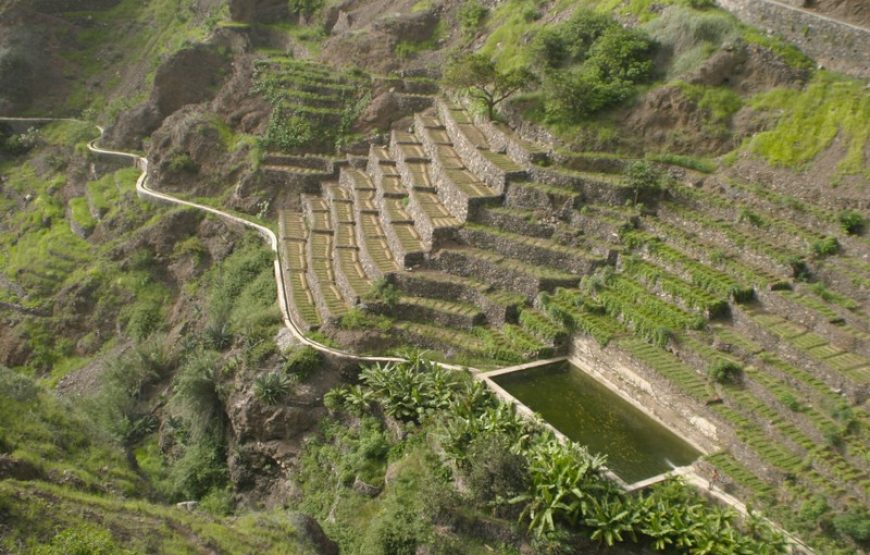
<point x="670" y="189"/>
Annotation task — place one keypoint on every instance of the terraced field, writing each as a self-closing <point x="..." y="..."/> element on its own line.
<point x="497" y="259"/>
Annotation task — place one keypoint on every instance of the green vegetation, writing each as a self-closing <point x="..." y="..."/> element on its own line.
<point x="471" y="16"/>
<point x="483" y="81"/>
<point x="851" y="221"/>
<point x="313" y="108"/>
<point x="828" y="107"/>
<point x="516" y="469"/>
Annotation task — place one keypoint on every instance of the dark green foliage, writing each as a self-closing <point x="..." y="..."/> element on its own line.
<point x="303" y="362"/>
<point x="471" y="16"/>
<point x="409" y="391"/>
<point x="590" y="63"/>
<point x="559" y="488"/>
<point x="799" y="269"/>
<point x="17" y="144"/>
<point x="494" y="472"/>
<point x="271" y="388"/>
<point x="573" y="94"/>
<point x="199" y="470"/>
<point x="384" y="292"/>
<point x="851" y="221"/>
<point x="182" y="163"/>
<point x="644" y="177"/>
<point x="569" y="42"/>
<point x="854" y="524"/>
<point x="826" y="246"/>
<point x="725" y="372"/>
<point x="305" y="7"/>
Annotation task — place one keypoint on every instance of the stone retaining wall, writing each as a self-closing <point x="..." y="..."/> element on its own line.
<point x="496" y="314"/>
<point x="515" y="223"/>
<point x="834" y="44"/>
<point x="455" y="262"/>
<point x="592" y="190"/>
<point x="503" y="139"/>
<point x="561" y="206"/>
<point x="454" y="199"/>
<point x="341" y="280"/>
<point x="478" y="164"/>
<point x="450" y="320"/>
<point x="531" y="254"/>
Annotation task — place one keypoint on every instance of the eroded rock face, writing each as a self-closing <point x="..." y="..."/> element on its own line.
<point x="191" y="76"/>
<point x="383" y="110"/>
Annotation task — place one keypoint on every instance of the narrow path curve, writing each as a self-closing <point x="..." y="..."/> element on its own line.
<point x="142" y="188"/>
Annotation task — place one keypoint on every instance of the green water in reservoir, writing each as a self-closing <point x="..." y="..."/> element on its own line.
<point x="637" y="447"/>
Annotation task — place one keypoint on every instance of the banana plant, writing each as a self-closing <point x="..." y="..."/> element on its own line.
<point x="611" y="519"/>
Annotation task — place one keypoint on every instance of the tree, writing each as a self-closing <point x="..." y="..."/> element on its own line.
<point x="478" y="75"/>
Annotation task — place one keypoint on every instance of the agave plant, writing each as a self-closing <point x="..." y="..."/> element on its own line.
<point x="271" y="388"/>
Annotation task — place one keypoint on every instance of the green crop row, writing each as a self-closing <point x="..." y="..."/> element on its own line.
<point x="691" y="296"/>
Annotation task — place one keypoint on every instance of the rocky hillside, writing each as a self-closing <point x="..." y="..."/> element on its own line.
<point x="652" y="185"/>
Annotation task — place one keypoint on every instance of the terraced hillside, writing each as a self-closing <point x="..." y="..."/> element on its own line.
<point x="756" y="323"/>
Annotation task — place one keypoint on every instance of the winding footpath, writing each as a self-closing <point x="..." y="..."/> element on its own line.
<point x="688" y="474"/>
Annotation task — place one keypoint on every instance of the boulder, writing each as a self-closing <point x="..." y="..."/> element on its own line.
<point x="310" y="531"/>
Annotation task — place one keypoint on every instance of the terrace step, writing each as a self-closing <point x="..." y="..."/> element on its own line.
<point x="591" y="162"/>
<point x="499" y="306"/>
<point x="503" y="272"/>
<point x="446" y="313"/>
<point x="316" y="211"/>
<point x="493" y="168"/>
<point x="460" y="190"/>
<point x="350" y="276"/>
<point x="530" y="195"/>
<point x="291" y="225"/>
<point x="375" y="254"/>
<point x="292" y="243"/>
<point x="593" y="188"/>
<point x="438" y="337"/>
<point x="533" y="250"/>
<point x="322" y="164"/>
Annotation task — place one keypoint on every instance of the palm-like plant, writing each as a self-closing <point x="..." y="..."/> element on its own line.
<point x="611" y="518"/>
<point x="271" y="388"/>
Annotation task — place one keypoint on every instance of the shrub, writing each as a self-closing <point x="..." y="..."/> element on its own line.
<point x="573" y="94"/>
<point x="644" y="177"/>
<point x="271" y="388"/>
<point x="218" y="501"/>
<point x="851" y="221"/>
<point x="303" y="362"/>
<point x="288" y="132"/>
<point x="569" y="42"/>
<point x="182" y="163"/>
<point x="854" y="524"/>
<point x="725" y="372"/>
<point x="622" y="54"/>
<point x="305" y="7"/>
<point x="495" y="473"/>
<point x="82" y="540"/>
<point x="825" y="246"/>
<point x="199" y="470"/>
<point x="471" y="15"/>
<point x="20" y="143"/>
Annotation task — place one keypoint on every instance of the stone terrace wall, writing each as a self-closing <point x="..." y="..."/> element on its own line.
<point x="835" y="44"/>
